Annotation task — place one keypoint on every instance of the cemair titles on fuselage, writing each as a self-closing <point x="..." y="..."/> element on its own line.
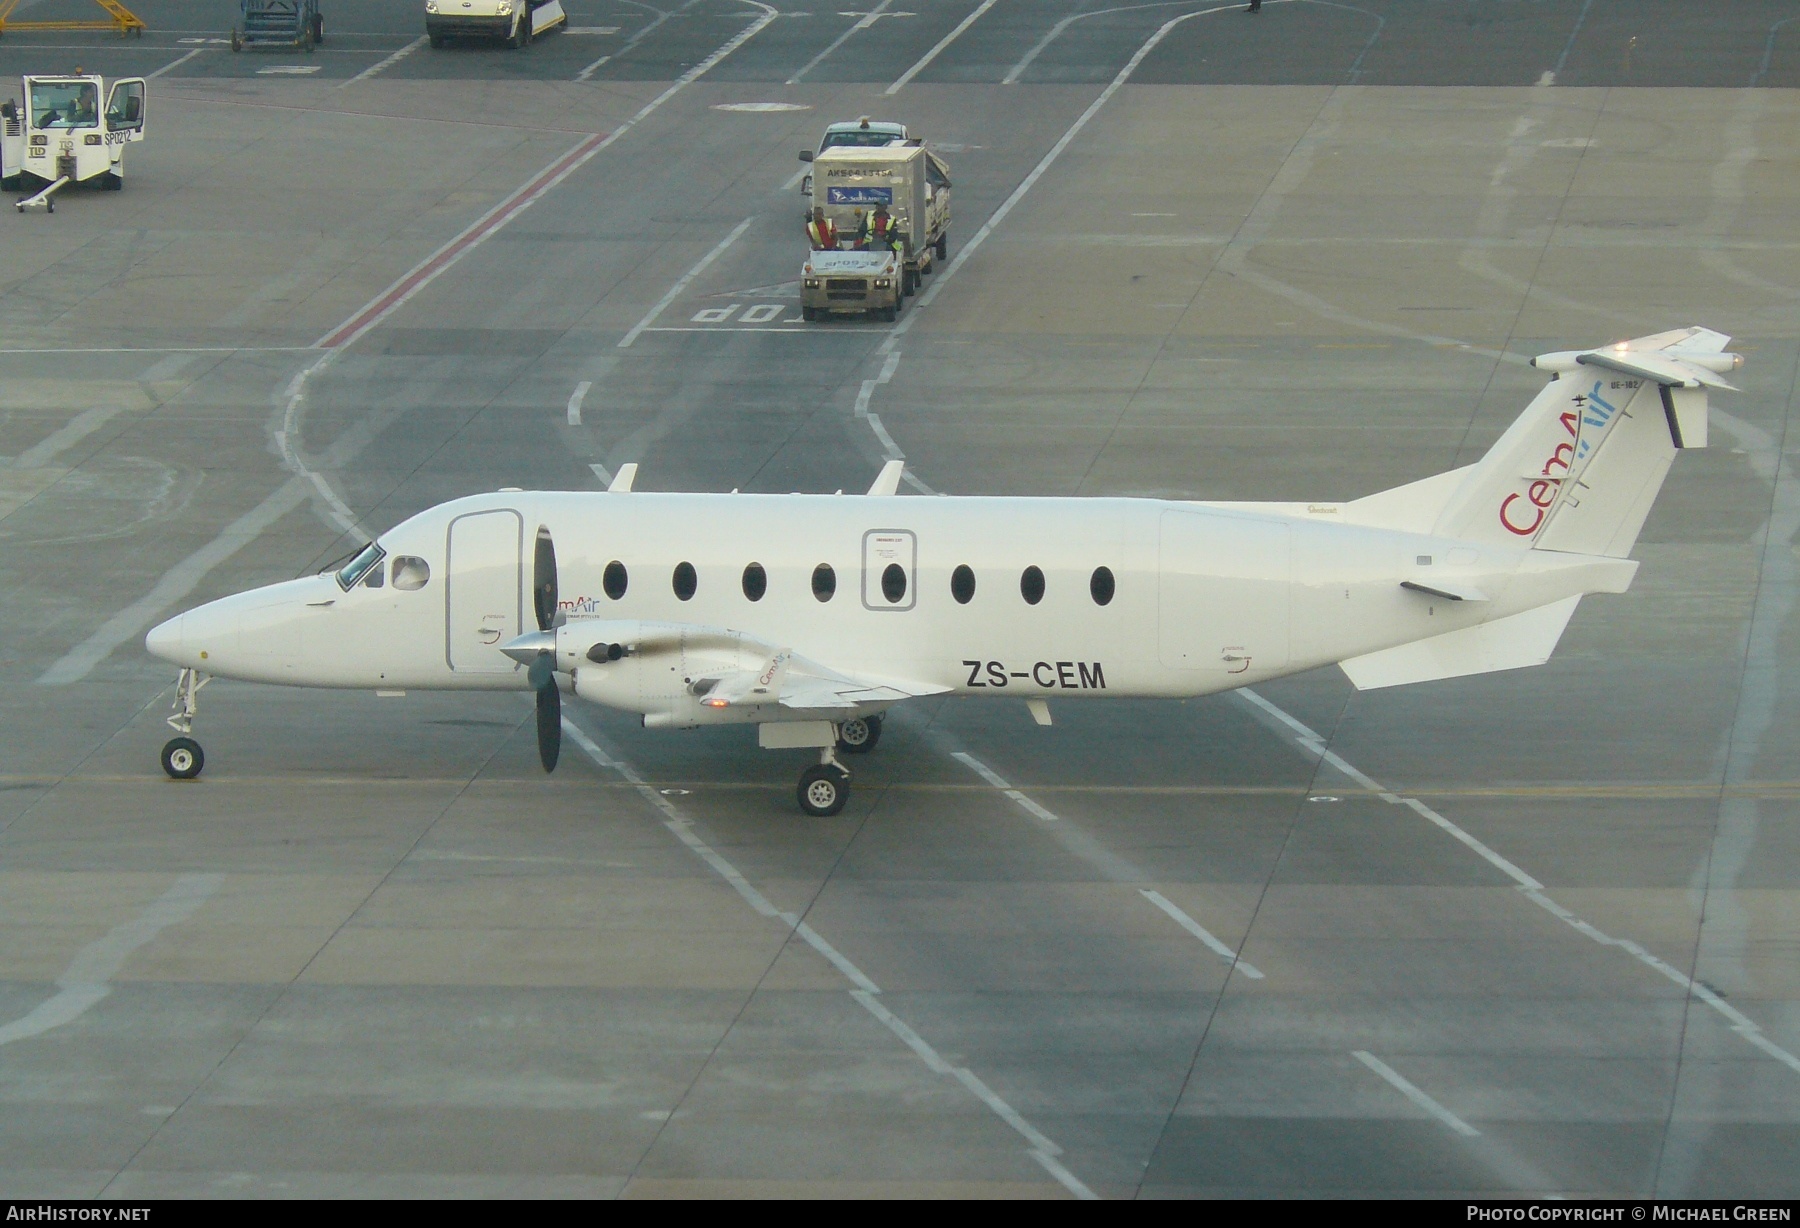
<point x="810" y="615"/>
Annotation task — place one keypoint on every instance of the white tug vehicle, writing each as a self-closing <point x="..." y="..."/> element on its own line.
<point x="513" y="22"/>
<point x="58" y="133"/>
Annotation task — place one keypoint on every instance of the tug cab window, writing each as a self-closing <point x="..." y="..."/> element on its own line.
<point x="411" y="573"/>
<point x="369" y="556"/>
<point x="72" y="104"/>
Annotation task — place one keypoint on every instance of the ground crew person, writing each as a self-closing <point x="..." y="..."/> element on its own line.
<point x="820" y="232"/>
<point x="877" y="231"/>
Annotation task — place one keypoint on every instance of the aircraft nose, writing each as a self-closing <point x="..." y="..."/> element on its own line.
<point x="166" y="640"/>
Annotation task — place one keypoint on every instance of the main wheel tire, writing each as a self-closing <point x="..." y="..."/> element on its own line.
<point x="237" y="40"/>
<point x="886" y="314"/>
<point x="859" y="734"/>
<point x="436" y="40"/>
<point x="823" y="790"/>
<point x="318" y="25"/>
<point x="182" y="758"/>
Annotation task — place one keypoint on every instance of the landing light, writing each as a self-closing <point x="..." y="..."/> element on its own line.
<point x="716" y="703"/>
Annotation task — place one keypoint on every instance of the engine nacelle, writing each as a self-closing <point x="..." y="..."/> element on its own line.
<point x="661" y="670"/>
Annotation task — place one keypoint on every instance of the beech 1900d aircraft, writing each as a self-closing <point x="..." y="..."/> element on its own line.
<point x="809" y="616"/>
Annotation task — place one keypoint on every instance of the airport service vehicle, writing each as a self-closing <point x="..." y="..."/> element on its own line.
<point x="282" y="23"/>
<point x="871" y="282"/>
<point x="911" y="181"/>
<point x="57" y="134"/>
<point x="809" y="616"/>
<point x="864" y="132"/>
<point x="513" y="22"/>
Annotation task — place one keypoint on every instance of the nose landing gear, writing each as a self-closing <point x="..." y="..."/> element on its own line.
<point x="182" y="757"/>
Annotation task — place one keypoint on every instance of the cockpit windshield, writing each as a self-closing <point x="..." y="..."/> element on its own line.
<point x="71" y="104"/>
<point x="358" y="567"/>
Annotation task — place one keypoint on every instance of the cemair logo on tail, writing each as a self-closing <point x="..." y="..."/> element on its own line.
<point x="1522" y="512"/>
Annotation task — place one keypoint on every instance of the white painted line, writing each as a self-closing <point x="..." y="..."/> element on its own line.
<point x="73" y="432"/>
<point x="290" y="431"/>
<point x="1199" y="931"/>
<point x="388" y="63"/>
<point x="605" y="475"/>
<point x="944" y="42"/>
<point x="1313" y="745"/>
<point x="288" y="70"/>
<point x="994" y="778"/>
<point x="85" y="981"/>
<point x="173" y="65"/>
<point x="575" y="399"/>
<point x="451" y="253"/>
<point x="176" y="583"/>
<point x="168" y="349"/>
<point x="1411" y="1092"/>
<point x="794" y="180"/>
<point x="867" y="19"/>
<point x="579" y="30"/>
<point x="865" y="991"/>
<point x="587" y="73"/>
<point x="747" y="328"/>
<point x="682" y="283"/>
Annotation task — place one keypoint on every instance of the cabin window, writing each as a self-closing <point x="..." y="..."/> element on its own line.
<point x="1100" y="584"/>
<point x="962" y="584"/>
<point x="614" y="579"/>
<point x="824" y="582"/>
<point x="685" y="581"/>
<point x="411" y="572"/>
<point x="1031" y="586"/>
<point x="756" y="581"/>
<point x="893" y="583"/>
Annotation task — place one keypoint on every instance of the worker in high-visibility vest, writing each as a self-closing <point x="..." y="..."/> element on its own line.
<point x="820" y="232"/>
<point x="877" y="232"/>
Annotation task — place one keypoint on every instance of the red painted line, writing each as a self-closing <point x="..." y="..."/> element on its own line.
<point x="427" y="270"/>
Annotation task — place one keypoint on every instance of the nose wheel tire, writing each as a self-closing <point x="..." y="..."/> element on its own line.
<point x="858" y="735"/>
<point x="182" y="758"/>
<point x="823" y="790"/>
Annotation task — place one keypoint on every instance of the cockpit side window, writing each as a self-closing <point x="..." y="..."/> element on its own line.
<point x="357" y="567"/>
<point x="411" y="573"/>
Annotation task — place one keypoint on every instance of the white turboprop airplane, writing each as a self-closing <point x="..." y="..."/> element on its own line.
<point x="809" y="616"/>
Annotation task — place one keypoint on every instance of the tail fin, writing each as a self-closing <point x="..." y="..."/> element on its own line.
<point x="1580" y="468"/>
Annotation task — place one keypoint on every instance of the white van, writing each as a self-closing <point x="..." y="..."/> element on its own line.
<point x="513" y="22"/>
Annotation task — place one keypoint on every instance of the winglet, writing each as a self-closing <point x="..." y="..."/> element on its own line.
<point x="621" y="483"/>
<point x="887" y="482"/>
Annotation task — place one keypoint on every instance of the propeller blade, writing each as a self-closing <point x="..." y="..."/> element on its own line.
<point x="549" y="726"/>
<point x="543" y="581"/>
<point x="541" y="672"/>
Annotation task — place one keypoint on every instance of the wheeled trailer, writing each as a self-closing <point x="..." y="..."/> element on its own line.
<point x="279" y="23"/>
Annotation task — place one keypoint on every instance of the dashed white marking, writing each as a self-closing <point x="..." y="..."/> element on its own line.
<point x="603" y="473"/>
<point x="683" y="282"/>
<point x="866" y="992"/>
<point x="288" y="70"/>
<point x="999" y="782"/>
<point x="1529" y="887"/>
<point x="1548" y="78"/>
<point x="85" y="981"/>
<point x="575" y="399"/>
<point x="794" y="179"/>
<point x="1408" y="1089"/>
<point x="1199" y="931"/>
<point x="73" y="432"/>
<point x="389" y="62"/>
<point x="926" y="59"/>
<point x="578" y="30"/>
<point x="761" y="107"/>
<point x="587" y="73"/>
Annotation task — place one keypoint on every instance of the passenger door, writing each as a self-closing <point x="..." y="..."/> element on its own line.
<point x="890" y="569"/>
<point x="484" y="590"/>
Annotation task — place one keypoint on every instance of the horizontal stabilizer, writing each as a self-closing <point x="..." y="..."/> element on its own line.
<point x="1506" y="643"/>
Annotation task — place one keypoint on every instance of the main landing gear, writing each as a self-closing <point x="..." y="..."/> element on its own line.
<point x="182" y="757"/>
<point x="825" y="787"/>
